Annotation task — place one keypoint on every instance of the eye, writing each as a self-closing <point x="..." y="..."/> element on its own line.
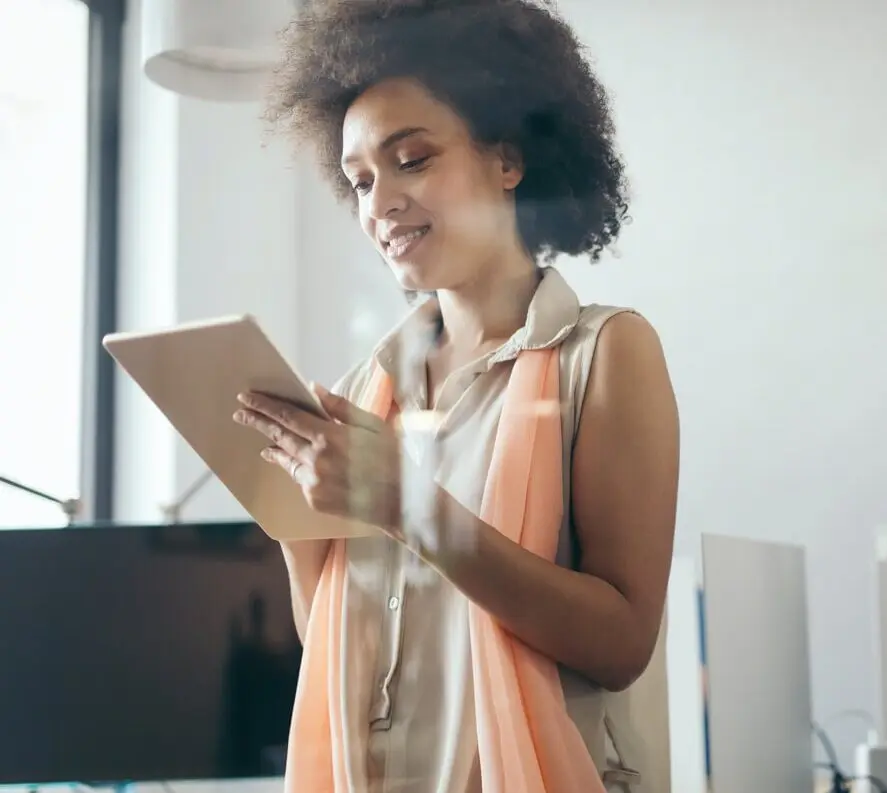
<point x="414" y="165"/>
<point x="361" y="188"/>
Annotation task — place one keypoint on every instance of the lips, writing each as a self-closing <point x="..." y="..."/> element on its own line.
<point x="402" y="242"/>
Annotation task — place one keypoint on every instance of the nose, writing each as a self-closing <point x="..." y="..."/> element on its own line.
<point x="386" y="199"/>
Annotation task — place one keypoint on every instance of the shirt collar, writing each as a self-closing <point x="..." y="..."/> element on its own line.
<point x="552" y="315"/>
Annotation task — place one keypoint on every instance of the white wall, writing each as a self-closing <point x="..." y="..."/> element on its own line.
<point x="754" y="135"/>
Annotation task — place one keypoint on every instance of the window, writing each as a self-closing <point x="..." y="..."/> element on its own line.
<point x="53" y="220"/>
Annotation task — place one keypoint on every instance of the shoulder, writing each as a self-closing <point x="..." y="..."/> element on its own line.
<point x="595" y="318"/>
<point x="626" y="335"/>
<point x="352" y="383"/>
<point x="627" y="368"/>
<point x="614" y="334"/>
<point x="595" y="328"/>
<point x="612" y="352"/>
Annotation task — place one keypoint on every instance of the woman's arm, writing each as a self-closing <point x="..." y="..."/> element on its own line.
<point x="305" y="558"/>
<point x="604" y="620"/>
<point x="304" y="564"/>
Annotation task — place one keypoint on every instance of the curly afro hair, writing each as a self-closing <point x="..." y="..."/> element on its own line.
<point x="512" y="69"/>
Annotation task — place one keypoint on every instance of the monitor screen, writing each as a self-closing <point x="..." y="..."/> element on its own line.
<point x="144" y="653"/>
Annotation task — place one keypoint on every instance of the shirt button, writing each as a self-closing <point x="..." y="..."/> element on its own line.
<point x="393" y="602"/>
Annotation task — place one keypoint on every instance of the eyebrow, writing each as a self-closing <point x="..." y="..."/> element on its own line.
<point x="394" y="137"/>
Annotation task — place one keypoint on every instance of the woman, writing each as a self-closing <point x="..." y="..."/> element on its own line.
<point x="492" y="634"/>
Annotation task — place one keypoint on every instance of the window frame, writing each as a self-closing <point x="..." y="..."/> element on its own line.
<point x="104" y="121"/>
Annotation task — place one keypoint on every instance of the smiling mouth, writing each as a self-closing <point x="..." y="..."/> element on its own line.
<point x="402" y="244"/>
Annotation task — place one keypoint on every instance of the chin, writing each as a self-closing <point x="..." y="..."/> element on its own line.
<point x="415" y="277"/>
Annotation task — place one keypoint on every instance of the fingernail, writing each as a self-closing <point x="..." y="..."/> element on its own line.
<point x="318" y="388"/>
<point x="239" y="416"/>
<point x="266" y="454"/>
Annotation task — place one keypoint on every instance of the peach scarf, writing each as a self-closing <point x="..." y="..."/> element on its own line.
<point x="527" y="742"/>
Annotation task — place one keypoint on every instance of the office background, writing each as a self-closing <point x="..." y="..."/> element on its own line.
<point x="754" y="137"/>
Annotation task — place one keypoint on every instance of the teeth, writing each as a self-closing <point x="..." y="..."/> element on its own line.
<point x="397" y="244"/>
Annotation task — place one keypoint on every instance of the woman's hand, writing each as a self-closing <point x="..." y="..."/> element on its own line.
<point x="350" y="466"/>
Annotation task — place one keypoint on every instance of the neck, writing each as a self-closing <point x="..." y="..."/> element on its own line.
<point x="491" y="307"/>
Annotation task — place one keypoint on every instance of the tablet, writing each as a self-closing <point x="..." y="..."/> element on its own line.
<point x="193" y="374"/>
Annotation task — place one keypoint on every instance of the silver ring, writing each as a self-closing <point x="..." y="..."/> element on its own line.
<point x="295" y="465"/>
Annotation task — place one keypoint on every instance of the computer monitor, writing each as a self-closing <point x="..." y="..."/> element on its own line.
<point x="758" y="669"/>
<point x="144" y="653"/>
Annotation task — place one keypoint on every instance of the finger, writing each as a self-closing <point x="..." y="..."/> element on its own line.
<point x="347" y="412"/>
<point x="292" y="418"/>
<point x="291" y="444"/>
<point x="298" y="471"/>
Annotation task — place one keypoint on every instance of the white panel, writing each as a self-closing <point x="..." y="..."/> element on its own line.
<point x="685" y="679"/>
<point x="758" y="666"/>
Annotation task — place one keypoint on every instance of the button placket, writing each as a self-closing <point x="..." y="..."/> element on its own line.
<point x="392" y="618"/>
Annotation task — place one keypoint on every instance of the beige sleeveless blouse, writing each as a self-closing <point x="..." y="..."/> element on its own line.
<point x="407" y="702"/>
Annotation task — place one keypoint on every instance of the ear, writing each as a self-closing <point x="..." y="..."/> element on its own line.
<point x="512" y="165"/>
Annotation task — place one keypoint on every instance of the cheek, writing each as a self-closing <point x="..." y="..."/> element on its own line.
<point x="445" y="191"/>
<point x="470" y="209"/>
<point x="367" y="224"/>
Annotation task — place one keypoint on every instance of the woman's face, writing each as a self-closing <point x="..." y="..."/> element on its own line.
<point x="438" y="208"/>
